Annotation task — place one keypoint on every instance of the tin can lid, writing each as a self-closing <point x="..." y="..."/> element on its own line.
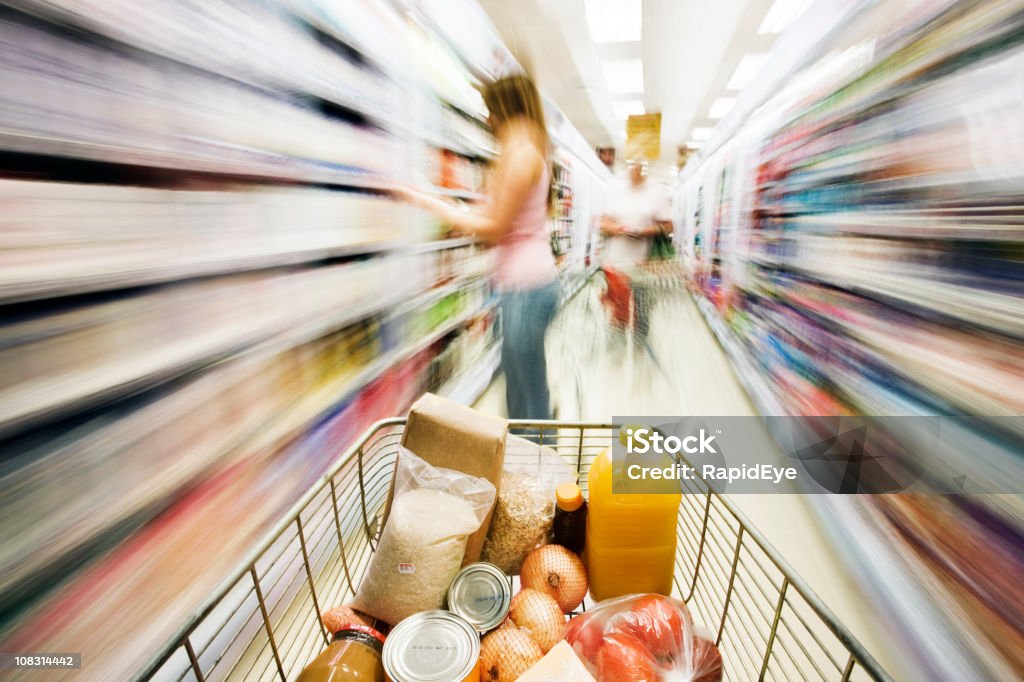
<point x="481" y="593"/>
<point x="432" y="646"/>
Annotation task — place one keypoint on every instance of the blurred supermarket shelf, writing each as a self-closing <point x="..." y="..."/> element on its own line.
<point x="1000" y="312"/>
<point x="265" y="36"/>
<point x="313" y="406"/>
<point x="982" y="223"/>
<point x="750" y="375"/>
<point x="469" y="386"/>
<point x="854" y="240"/>
<point x="460" y="193"/>
<point x="250" y="440"/>
<point x="208" y="288"/>
<point x="231" y="162"/>
<point x="300" y="320"/>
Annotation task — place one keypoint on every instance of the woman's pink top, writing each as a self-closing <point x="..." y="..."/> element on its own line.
<point x="524" y="258"/>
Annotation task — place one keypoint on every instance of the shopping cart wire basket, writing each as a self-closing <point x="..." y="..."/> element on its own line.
<point x="263" y="622"/>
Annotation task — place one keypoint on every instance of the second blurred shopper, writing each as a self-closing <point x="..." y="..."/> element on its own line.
<point x="637" y="212"/>
<point x="514" y="219"/>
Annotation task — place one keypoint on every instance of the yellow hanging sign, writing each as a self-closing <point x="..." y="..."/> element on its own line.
<point x="643" y="137"/>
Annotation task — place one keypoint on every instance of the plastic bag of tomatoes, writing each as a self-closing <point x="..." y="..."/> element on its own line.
<point x="644" y="638"/>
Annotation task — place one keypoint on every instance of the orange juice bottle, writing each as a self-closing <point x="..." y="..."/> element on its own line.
<point x="631" y="538"/>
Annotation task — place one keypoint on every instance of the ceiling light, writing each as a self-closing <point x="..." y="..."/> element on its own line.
<point x="627" y="107"/>
<point x="782" y="14"/>
<point x="745" y="72"/>
<point x="701" y="134"/>
<point x="720" y="107"/>
<point x="614" y="21"/>
<point x="624" y="76"/>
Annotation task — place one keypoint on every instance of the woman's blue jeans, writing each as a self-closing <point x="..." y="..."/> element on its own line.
<point x="525" y="317"/>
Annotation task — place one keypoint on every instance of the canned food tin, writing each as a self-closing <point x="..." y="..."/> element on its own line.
<point x="481" y="593"/>
<point x="433" y="646"/>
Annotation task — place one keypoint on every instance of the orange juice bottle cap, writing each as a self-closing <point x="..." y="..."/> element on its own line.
<point x="569" y="496"/>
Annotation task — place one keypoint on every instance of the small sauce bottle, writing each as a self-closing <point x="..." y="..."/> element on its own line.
<point x="570" y="524"/>
<point x="353" y="656"/>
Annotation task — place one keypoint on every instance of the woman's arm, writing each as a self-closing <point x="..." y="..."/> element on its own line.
<point x="517" y="171"/>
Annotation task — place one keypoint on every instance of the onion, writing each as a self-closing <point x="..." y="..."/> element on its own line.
<point x="557" y="571"/>
<point x="539" y="615"/>
<point x="507" y="653"/>
<point x="337" y="618"/>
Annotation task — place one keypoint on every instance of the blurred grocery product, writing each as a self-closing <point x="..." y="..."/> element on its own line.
<point x="631" y="537"/>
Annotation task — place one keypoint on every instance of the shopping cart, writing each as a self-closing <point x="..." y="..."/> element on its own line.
<point x="263" y="623"/>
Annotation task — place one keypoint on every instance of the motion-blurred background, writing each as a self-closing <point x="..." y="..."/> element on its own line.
<point x="208" y="291"/>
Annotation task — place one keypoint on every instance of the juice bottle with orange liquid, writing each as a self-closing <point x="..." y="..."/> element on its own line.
<point x="631" y="538"/>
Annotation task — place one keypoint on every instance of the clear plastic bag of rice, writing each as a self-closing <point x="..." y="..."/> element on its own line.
<point x="420" y="551"/>
<point x="525" y="509"/>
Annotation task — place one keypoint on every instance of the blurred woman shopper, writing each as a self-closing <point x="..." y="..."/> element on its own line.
<point x="514" y="219"/>
<point x="636" y="213"/>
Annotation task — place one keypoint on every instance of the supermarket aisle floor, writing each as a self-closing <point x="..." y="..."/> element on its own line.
<point x="596" y="373"/>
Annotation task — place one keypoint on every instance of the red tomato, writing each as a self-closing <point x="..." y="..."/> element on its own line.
<point x="624" y="659"/>
<point x="707" y="661"/>
<point x="657" y="622"/>
<point x="586" y="637"/>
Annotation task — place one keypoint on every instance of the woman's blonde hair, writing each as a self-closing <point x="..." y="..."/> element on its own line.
<point x="517" y="96"/>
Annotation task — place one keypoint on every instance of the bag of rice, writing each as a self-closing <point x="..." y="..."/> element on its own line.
<point x="420" y="551"/>
<point x="525" y="509"/>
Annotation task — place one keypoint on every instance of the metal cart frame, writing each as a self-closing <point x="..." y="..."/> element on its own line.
<point x="263" y="622"/>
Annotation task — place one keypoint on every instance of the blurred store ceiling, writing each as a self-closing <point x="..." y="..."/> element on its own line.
<point x="587" y="56"/>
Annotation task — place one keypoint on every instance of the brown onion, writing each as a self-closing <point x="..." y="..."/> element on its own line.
<point x="557" y="571"/>
<point x="540" y="616"/>
<point x="507" y="653"/>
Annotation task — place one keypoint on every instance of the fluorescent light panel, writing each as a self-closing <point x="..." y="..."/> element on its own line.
<point x="746" y="70"/>
<point x="624" y="108"/>
<point x="615" y="21"/>
<point x="701" y="134"/>
<point x="720" y="107"/>
<point x="624" y="76"/>
<point x="782" y="14"/>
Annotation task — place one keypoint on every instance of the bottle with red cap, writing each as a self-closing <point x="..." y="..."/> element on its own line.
<point x="354" y="655"/>
<point x="570" y="523"/>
